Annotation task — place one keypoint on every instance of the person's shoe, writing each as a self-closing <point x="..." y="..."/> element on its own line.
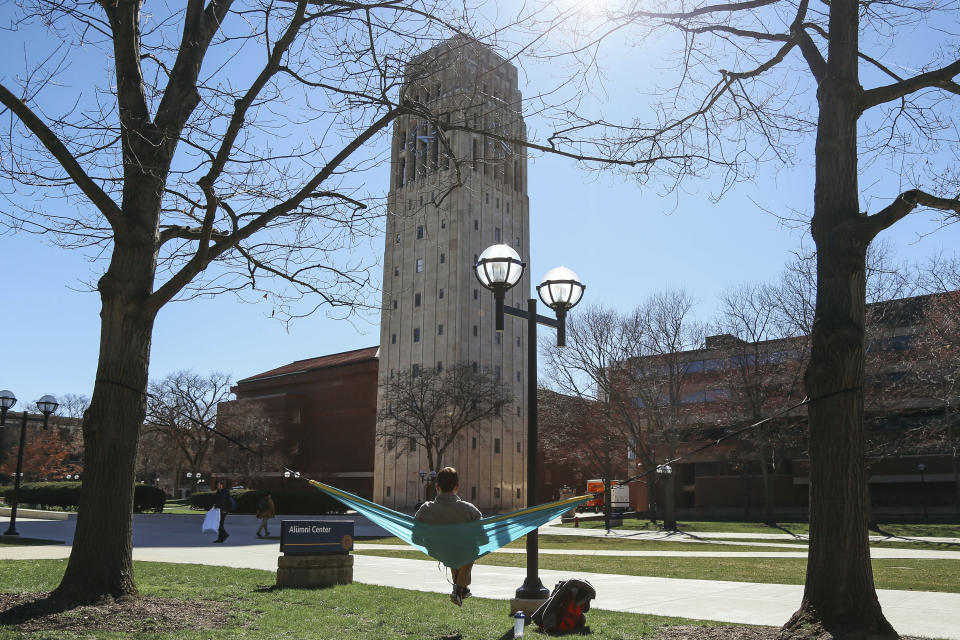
<point x="455" y="597"/>
<point x="258" y="535"/>
<point x="268" y="535"/>
<point x="465" y="593"/>
<point x="225" y="536"/>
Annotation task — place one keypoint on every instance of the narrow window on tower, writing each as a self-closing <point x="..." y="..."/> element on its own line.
<point x="412" y="445"/>
<point x="476" y="153"/>
<point x="396" y="271"/>
<point x="439" y="329"/>
<point x="393" y="338"/>
<point x="394" y="304"/>
<point x="518" y="493"/>
<point x="473" y="444"/>
<point x="518" y="412"/>
<point x="496" y="493"/>
<point x="474" y="366"/>
<point x="498" y="203"/>
<point x="496" y="234"/>
<point x="389" y="444"/>
<point x="443" y="258"/>
<point x="419" y="265"/>
<point x="416" y="370"/>
<point x="518" y="376"/>
<point x="476" y="227"/>
<point x="397" y="239"/>
<point x="518" y="447"/>
<point x="473" y="493"/>
<point x="476" y="294"/>
<point x="443" y="223"/>
<point x="496" y="372"/>
<point x="421" y="199"/>
<point x="440" y="295"/>
<point x="416" y="335"/>
<point x="419" y="233"/>
<point x="439" y="366"/>
<point x="388" y="491"/>
<point x="486" y="198"/>
<point x="402" y="176"/>
<point x="416" y="299"/>
<point x="496" y="337"/>
<point x="475" y="330"/>
<point x="496" y="445"/>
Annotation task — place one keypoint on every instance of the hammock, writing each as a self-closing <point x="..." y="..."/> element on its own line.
<point x="455" y="544"/>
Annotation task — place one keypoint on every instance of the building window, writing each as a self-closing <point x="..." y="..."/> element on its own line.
<point x="416" y="371"/>
<point x="518" y="341"/>
<point x="419" y="233"/>
<point x="443" y="223"/>
<point x="393" y="373"/>
<point x="476" y="330"/>
<point x="439" y="329"/>
<point x="518" y="412"/>
<point x="393" y="338"/>
<point x="496" y="493"/>
<point x="518" y="242"/>
<point x="518" y="447"/>
<point x="476" y="294"/>
<point x="474" y="366"/>
<point x="412" y="444"/>
<point x="518" y="376"/>
<point x="394" y="304"/>
<point x="496" y="445"/>
<point x="439" y="366"/>
<point x="496" y="372"/>
<point x="419" y="265"/>
<point x="421" y="199"/>
<point x="518" y="493"/>
<point x="486" y="198"/>
<point x="389" y="444"/>
<point x="473" y="442"/>
<point x="496" y="232"/>
<point x="396" y="271"/>
<point x="476" y="225"/>
<point x="443" y="258"/>
<point x="388" y="491"/>
<point x="416" y="300"/>
<point x="496" y="338"/>
<point x="508" y="211"/>
<point x="440" y="295"/>
<point x="473" y="493"/>
<point x="416" y="337"/>
<point x="498" y="203"/>
<point x="397" y="239"/>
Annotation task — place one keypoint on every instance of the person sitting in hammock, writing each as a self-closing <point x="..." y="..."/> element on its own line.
<point x="448" y="508"/>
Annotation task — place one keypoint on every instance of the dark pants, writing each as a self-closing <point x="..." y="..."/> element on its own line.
<point x="221" y="532"/>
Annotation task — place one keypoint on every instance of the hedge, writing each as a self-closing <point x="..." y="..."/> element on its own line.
<point x="66" y="495"/>
<point x="287" y="502"/>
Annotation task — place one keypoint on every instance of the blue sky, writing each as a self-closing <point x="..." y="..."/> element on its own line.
<point x="625" y="241"/>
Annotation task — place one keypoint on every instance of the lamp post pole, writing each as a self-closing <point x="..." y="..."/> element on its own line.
<point x="46" y="405"/>
<point x="498" y="269"/>
<point x="923" y="489"/>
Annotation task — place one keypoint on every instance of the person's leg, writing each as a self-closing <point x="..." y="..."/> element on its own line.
<point x="462" y="575"/>
<point x="221" y="532"/>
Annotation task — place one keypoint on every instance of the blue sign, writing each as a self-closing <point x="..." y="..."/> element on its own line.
<point x="312" y="537"/>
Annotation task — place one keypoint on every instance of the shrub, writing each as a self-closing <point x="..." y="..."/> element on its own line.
<point x="66" y="495"/>
<point x="287" y="502"/>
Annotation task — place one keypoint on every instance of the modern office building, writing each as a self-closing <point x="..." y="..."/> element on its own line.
<point x="457" y="186"/>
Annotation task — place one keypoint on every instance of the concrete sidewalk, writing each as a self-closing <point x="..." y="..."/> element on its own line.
<point x="917" y="613"/>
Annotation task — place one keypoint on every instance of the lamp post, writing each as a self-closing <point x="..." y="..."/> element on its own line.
<point x="46" y="405"/>
<point x="666" y="471"/>
<point x="923" y="489"/>
<point x="499" y="268"/>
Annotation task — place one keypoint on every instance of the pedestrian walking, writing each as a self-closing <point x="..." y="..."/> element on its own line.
<point x="223" y="501"/>
<point x="265" y="511"/>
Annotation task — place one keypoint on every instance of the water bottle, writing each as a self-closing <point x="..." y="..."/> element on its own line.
<point x="518" y="620"/>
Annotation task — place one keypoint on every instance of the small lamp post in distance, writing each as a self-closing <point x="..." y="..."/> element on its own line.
<point x="46" y="405"/>
<point x="499" y="268"/>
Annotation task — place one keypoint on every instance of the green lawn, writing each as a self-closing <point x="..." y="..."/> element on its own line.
<point x="615" y="544"/>
<point x="353" y="612"/>
<point x="911" y="575"/>
<point x="907" y="530"/>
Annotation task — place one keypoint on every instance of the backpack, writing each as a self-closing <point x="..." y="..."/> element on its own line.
<point x="563" y="611"/>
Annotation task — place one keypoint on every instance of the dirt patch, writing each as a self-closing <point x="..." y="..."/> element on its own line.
<point x="34" y="612"/>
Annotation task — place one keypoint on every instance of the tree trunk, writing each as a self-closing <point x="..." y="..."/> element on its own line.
<point x="101" y="560"/>
<point x="839" y="598"/>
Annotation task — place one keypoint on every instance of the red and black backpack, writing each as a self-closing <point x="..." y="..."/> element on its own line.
<point x="563" y="611"/>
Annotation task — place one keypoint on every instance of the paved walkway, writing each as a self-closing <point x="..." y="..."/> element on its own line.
<point x="178" y="539"/>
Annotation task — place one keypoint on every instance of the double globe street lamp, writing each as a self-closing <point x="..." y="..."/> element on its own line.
<point x="46" y="405"/>
<point x="499" y="268"/>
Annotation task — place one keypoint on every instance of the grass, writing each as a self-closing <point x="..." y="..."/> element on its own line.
<point x="907" y="530"/>
<point x="350" y="612"/>
<point x="616" y="544"/>
<point x="910" y="575"/>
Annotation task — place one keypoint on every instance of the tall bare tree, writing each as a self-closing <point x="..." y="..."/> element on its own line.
<point x="762" y="374"/>
<point x="220" y="154"/>
<point x="856" y="84"/>
<point x="430" y="409"/>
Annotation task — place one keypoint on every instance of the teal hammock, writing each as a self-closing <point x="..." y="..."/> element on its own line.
<point x="455" y="544"/>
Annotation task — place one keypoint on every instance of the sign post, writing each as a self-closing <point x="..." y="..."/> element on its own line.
<point x="316" y="553"/>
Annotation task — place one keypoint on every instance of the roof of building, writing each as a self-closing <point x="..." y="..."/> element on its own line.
<point x="320" y="362"/>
